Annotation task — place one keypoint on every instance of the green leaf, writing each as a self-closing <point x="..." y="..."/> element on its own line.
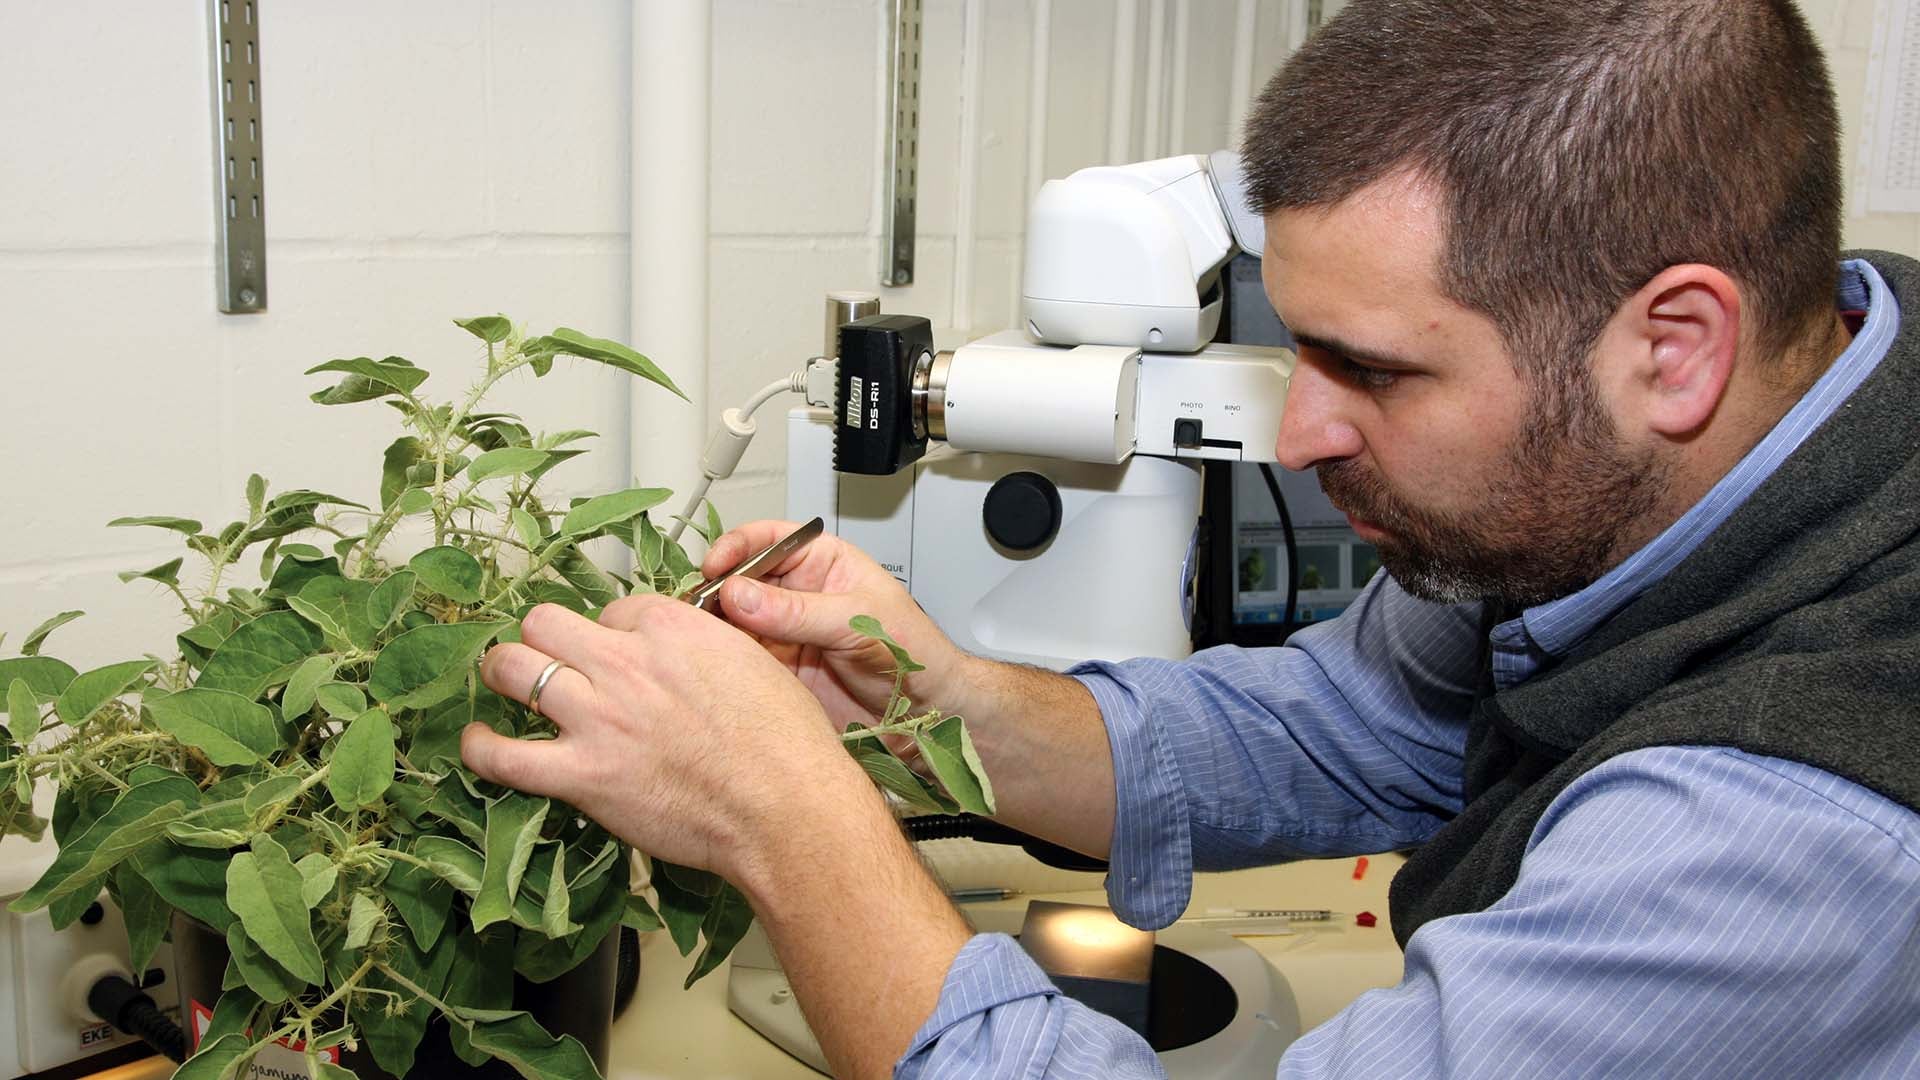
<point x="726" y="923"/>
<point x="48" y="677"/>
<point x="342" y="701"/>
<point x="893" y="775"/>
<point x="188" y="834"/>
<point x="368" y="379"/>
<point x="520" y="1041"/>
<point x="429" y="664"/>
<point x="423" y="900"/>
<point x="167" y="573"/>
<point x="604" y="510"/>
<point x="187" y="526"/>
<point x="594" y="584"/>
<point x="259" y="795"/>
<point x="257" y="971"/>
<point x="292" y="511"/>
<point x="228" y="728"/>
<point x="298" y="698"/>
<point x="393" y="1037"/>
<point x="338" y="606"/>
<point x="191" y="879"/>
<point x="295" y="573"/>
<point x="215" y="1059"/>
<point x="715" y="530"/>
<point x="528" y="529"/>
<point x="261" y="653"/>
<point x="450" y="572"/>
<point x="506" y="461"/>
<point x="682" y="909"/>
<point x="491" y="329"/>
<point x="437" y="735"/>
<point x="390" y="598"/>
<point x="553" y="912"/>
<point x="481" y="979"/>
<point x="23" y="822"/>
<point x="948" y="748"/>
<point x="601" y="862"/>
<point x="143" y="910"/>
<point x="513" y="827"/>
<point x="256" y="493"/>
<point x="363" y="918"/>
<point x="679" y="567"/>
<point x="263" y="889"/>
<point x="31" y="646"/>
<point x="138" y="817"/>
<point x="491" y="431"/>
<point x="23" y="712"/>
<point x="562" y="438"/>
<point x="327" y="1040"/>
<point x="404" y="453"/>
<point x="649" y="546"/>
<point x="457" y="864"/>
<point x="640" y="915"/>
<point x="233" y="1014"/>
<point x="318" y="875"/>
<point x="88" y="693"/>
<point x="414" y="500"/>
<point x="869" y="626"/>
<point x="362" y="760"/>
<point x="565" y="341"/>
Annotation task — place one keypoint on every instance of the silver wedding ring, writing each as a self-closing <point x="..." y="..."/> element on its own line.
<point x="539" y="684"/>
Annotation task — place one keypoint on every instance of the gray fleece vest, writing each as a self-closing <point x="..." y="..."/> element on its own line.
<point x="1792" y="632"/>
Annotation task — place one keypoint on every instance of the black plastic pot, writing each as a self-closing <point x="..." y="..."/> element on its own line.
<point x="578" y="1003"/>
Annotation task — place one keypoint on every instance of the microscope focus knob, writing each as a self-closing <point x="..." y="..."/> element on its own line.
<point x="1022" y="511"/>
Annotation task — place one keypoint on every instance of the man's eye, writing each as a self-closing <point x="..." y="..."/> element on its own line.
<point x="1370" y="377"/>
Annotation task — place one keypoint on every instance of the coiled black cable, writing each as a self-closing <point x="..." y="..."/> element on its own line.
<point x="971" y="827"/>
<point x="128" y="1008"/>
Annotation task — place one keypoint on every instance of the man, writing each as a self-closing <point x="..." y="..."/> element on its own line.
<point x="1641" y="678"/>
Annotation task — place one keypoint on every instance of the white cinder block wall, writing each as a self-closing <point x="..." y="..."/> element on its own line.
<point x="423" y="161"/>
<point x="448" y="157"/>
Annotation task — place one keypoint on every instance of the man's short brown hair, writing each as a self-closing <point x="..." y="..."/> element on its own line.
<point x="1582" y="147"/>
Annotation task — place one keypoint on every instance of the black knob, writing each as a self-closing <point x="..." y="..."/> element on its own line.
<point x="1022" y="511"/>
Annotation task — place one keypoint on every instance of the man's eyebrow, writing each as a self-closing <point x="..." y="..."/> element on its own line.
<point x="1352" y="352"/>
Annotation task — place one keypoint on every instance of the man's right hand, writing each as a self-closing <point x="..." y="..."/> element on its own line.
<point x="801" y="610"/>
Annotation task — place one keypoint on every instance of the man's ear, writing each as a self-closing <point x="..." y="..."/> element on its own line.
<point x="1681" y="333"/>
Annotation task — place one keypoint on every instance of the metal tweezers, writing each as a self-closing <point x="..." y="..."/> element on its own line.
<point x="755" y="566"/>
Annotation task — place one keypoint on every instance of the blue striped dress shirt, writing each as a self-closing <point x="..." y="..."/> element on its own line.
<point x="1681" y="911"/>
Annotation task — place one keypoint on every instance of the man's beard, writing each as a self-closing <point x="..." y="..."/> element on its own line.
<point x="1552" y="522"/>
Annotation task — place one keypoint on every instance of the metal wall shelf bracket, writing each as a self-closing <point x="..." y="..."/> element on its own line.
<point x="903" y="144"/>
<point x="240" y="257"/>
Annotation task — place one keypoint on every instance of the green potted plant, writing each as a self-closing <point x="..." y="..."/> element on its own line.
<point x="282" y="792"/>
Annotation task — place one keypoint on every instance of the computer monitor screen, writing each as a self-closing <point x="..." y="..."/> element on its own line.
<point x="1334" y="563"/>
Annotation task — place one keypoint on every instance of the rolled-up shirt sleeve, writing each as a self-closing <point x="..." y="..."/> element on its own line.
<point x="1348" y="739"/>
<point x="999" y="1016"/>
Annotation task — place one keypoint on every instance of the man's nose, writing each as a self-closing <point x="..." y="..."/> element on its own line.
<point x="1313" y="425"/>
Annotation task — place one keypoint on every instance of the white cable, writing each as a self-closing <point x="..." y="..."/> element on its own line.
<point x="729" y="444"/>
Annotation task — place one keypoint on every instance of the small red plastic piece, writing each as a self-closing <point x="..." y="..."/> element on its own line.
<point x="1359" y="868"/>
<point x="1365" y="918"/>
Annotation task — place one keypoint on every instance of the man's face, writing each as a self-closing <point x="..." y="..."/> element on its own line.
<point x="1470" y="482"/>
